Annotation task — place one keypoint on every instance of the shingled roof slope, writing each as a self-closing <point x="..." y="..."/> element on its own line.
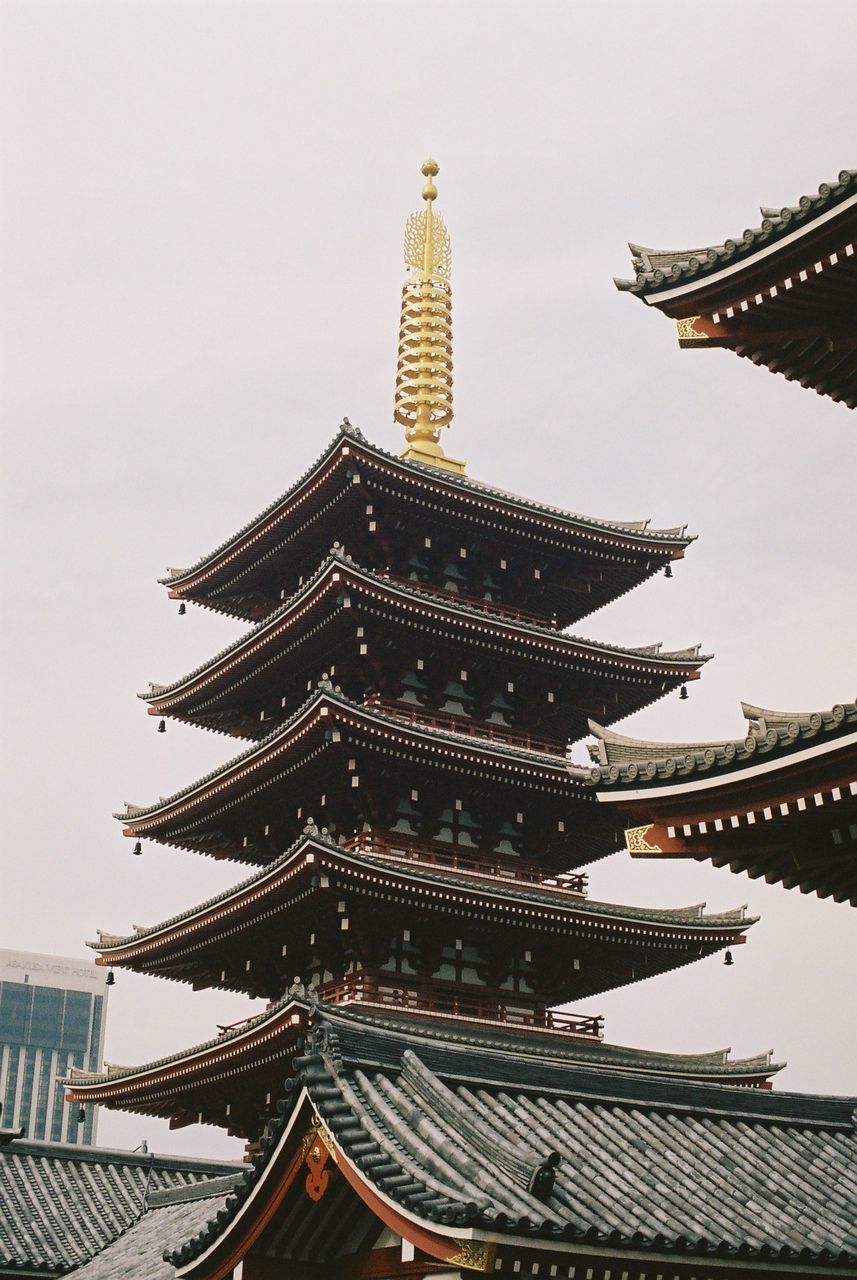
<point x="769" y="735"/>
<point x="48" y="1224"/>
<point x="138" y="1254"/>
<point x="454" y="1138"/>
<point x="660" y="269"/>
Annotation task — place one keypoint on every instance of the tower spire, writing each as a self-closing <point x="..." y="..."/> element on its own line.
<point x="424" y="368"/>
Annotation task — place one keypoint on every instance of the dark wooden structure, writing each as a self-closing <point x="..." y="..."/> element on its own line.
<point x="780" y="294"/>
<point x="779" y="803"/>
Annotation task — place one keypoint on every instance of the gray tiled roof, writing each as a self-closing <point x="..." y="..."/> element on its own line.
<point x="138" y="1254"/>
<point x="63" y="1203"/>
<point x="660" y="269"/>
<point x="454" y="1137"/>
<point x="770" y="734"/>
<point x="633" y="529"/>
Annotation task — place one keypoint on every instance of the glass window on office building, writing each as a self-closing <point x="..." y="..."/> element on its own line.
<point x="52" y="1015"/>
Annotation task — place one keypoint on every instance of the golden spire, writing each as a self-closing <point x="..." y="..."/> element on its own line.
<point x="424" y="368"/>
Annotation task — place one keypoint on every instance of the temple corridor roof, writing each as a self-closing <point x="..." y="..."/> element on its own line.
<point x="781" y="294"/>
<point x="48" y="1190"/>
<point x="509" y="1151"/>
<point x="658" y="270"/>
<point x="770" y="736"/>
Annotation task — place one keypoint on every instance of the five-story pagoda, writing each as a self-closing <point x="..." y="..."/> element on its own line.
<point x="412" y="823"/>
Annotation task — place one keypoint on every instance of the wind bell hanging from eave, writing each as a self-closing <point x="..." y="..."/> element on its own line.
<point x="424" y="368"/>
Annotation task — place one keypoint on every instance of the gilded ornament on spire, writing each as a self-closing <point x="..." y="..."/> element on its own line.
<point x="424" y="369"/>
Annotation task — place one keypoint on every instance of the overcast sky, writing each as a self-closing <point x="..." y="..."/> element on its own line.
<point x="201" y="254"/>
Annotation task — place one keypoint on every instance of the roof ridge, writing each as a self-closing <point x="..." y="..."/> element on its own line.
<point x="657" y="269"/>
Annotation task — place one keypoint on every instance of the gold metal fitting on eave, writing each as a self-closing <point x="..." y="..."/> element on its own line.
<point x="424" y="367"/>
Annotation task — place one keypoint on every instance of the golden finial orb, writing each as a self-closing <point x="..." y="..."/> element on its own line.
<point x="424" y="369"/>
<point x="430" y="170"/>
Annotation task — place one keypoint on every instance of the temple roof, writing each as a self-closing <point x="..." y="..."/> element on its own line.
<point x="509" y="1150"/>
<point x="781" y="294"/>
<point x="337" y="568"/>
<point x="443" y="1033"/>
<point x="658" y="270"/>
<point x="553" y="900"/>
<point x="780" y="803"/>
<point x="327" y="694"/>
<point x="170" y="1218"/>
<point x="47" y="1190"/>
<point x="635" y="530"/>
<point x="770" y="735"/>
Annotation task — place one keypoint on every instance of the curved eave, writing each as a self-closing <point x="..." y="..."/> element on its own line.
<point x="181" y="1070"/>
<point x="336" y="571"/>
<point x="531" y="906"/>
<point x="617" y="783"/>
<point x="191" y="1066"/>
<point x="326" y="704"/>
<point x="707" y="271"/>
<point x="350" y="445"/>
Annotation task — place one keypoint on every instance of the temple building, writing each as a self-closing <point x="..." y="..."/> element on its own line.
<point x="416" y="1095"/>
<point x="780" y="802"/>
<point x="780" y="294"/>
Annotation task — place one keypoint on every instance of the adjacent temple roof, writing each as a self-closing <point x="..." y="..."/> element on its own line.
<point x="780" y="802"/>
<point x="780" y="294"/>
<point x="171" y="1217"/>
<point x="48" y="1225"/>
<point x="484" y="1157"/>
<point x="770" y="735"/>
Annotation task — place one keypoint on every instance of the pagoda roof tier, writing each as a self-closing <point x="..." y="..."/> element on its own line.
<point x="373" y="503"/>
<point x="780" y="802"/>
<point x="339" y="760"/>
<point x="781" y="294"/>
<point x="263" y="675"/>
<point x="505" y="1163"/>
<point x="204" y="1079"/>
<point x="235" y="940"/>
<point x="236" y="1076"/>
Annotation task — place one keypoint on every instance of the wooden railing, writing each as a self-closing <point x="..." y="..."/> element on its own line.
<point x="501" y="733"/>
<point x="476" y="602"/>
<point x="400" y="991"/>
<point x="411" y="849"/>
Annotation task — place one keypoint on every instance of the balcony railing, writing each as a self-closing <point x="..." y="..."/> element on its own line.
<point x="428" y="852"/>
<point x="419" y="995"/>
<point x="476" y="602"/>
<point x="484" y="729"/>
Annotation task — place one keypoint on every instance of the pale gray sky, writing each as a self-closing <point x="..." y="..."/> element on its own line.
<point x="201" y="254"/>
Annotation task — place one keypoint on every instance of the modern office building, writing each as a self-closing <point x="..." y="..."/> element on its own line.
<point x="52" y="1015"/>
